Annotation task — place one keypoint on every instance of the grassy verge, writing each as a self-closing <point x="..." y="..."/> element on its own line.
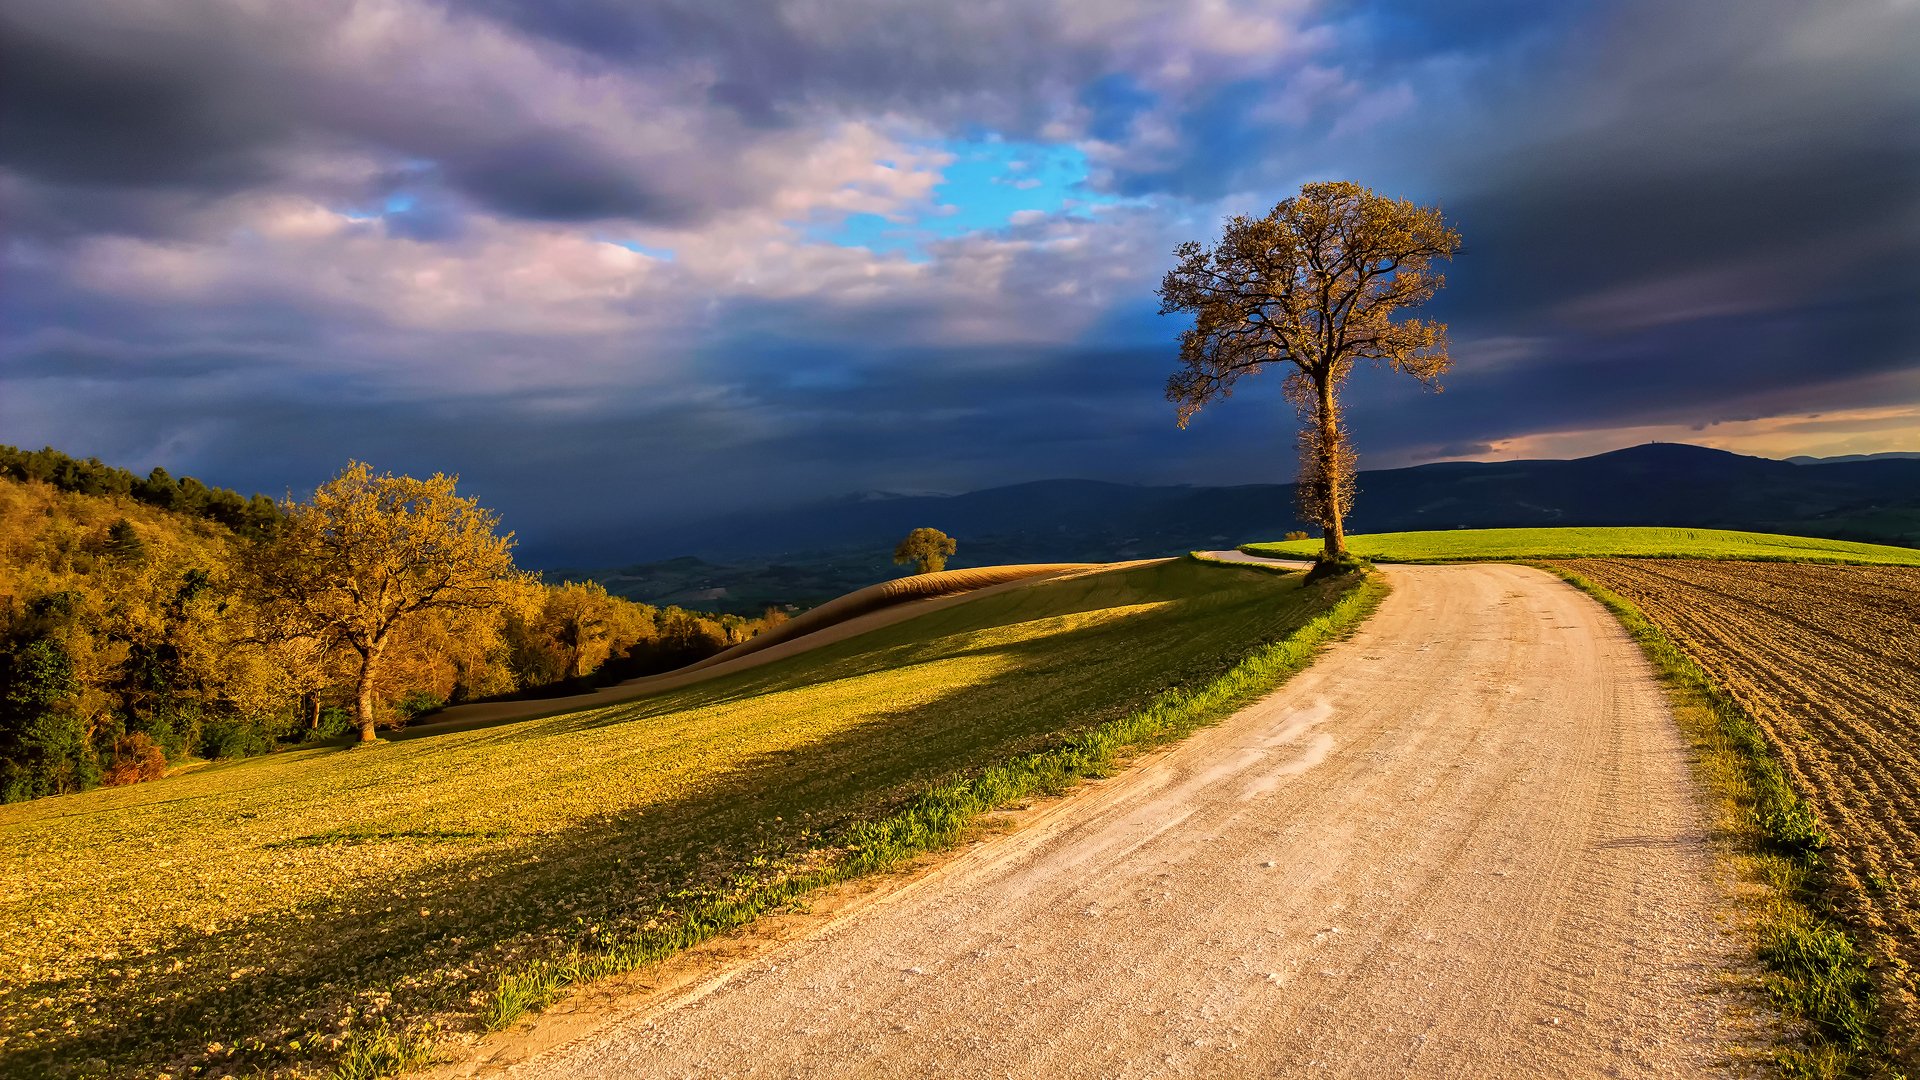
<point x="1512" y="545"/>
<point x="940" y="815"/>
<point x="1264" y="568"/>
<point x="1816" y="973"/>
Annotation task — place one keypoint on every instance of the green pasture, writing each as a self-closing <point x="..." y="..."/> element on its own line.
<point x="1507" y="545"/>
<point x="336" y="909"/>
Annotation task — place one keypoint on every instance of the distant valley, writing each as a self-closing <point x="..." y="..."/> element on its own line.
<point x="804" y="555"/>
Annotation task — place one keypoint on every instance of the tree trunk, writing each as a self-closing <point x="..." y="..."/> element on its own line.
<point x="311" y="704"/>
<point x="363" y="692"/>
<point x="1335" y="528"/>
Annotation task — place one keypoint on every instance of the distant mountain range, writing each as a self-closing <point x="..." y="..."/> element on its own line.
<point x="1802" y="459"/>
<point x="811" y="553"/>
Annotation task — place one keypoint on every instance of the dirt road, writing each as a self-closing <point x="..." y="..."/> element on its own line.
<point x="1464" y="843"/>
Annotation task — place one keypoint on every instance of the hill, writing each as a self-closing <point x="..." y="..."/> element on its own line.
<point x="328" y="909"/>
<point x="131" y="638"/>
<point x="807" y="554"/>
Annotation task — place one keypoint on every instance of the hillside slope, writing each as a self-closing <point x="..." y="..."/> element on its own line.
<point x="302" y="907"/>
<point x="131" y="638"/>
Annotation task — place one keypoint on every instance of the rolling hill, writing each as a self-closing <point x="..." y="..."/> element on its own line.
<point x="809" y="553"/>
<point x="335" y="912"/>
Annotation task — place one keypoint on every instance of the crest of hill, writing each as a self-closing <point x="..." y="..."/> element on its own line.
<point x="255" y="516"/>
<point x="811" y="553"/>
<point x="1673" y="484"/>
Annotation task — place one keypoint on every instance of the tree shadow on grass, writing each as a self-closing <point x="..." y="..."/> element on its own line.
<point x="429" y="937"/>
<point x="937" y="636"/>
<point x="917" y="640"/>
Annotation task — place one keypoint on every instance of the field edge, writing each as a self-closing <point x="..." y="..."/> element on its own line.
<point x="1817" y="973"/>
<point x="1599" y="542"/>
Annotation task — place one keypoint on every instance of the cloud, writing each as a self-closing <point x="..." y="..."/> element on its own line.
<point x="618" y="263"/>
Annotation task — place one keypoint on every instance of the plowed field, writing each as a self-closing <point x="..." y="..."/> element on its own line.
<point x="1827" y="660"/>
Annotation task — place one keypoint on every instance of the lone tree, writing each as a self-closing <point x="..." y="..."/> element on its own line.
<point x="1314" y="284"/>
<point x="926" y="549"/>
<point x="370" y="554"/>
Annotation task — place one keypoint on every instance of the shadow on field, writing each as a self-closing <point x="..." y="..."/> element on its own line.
<point x="416" y="940"/>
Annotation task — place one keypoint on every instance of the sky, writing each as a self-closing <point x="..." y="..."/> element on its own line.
<point x="624" y="264"/>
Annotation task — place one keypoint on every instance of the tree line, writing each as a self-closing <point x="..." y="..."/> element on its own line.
<point x="254" y="516"/>
<point x="133" y="637"/>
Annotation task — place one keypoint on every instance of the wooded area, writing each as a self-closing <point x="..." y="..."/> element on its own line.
<point x="133" y="637"/>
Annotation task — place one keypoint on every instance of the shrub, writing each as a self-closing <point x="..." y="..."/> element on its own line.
<point x="416" y="702"/>
<point x="335" y="721"/>
<point x="135" y="758"/>
<point x="1346" y="564"/>
<point x="1298" y="534"/>
<point x="232" y="736"/>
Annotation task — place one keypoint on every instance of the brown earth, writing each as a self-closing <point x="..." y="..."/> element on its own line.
<point x="1827" y="660"/>
<point x="1464" y="843"/>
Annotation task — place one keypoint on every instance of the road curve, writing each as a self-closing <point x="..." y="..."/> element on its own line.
<point x="1464" y="843"/>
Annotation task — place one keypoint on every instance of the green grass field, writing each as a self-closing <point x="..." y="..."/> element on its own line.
<point x="300" y="913"/>
<point x="1480" y="545"/>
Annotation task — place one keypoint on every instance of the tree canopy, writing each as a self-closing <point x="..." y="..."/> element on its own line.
<point x="370" y="553"/>
<point x="132" y="636"/>
<point x="1315" y="285"/>
<point x="256" y="516"/>
<point x="926" y="549"/>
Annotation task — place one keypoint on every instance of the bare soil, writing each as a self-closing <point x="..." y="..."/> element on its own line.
<point x="1464" y="843"/>
<point x="1827" y="660"/>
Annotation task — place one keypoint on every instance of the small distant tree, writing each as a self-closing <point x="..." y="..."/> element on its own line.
<point x="1313" y="284"/>
<point x="926" y="549"/>
<point x="368" y="555"/>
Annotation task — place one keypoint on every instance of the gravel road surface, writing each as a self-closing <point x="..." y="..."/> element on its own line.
<point x="1464" y="843"/>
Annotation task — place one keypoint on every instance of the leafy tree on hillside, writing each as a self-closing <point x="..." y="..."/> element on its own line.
<point x="926" y="549"/>
<point x="370" y="554"/>
<point x="1313" y="284"/>
<point x="43" y="737"/>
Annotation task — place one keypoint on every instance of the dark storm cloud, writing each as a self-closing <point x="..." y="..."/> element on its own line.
<point x="83" y="103"/>
<point x="1674" y="214"/>
<point x="982" y="64"/>
<point x="216" y="99"/>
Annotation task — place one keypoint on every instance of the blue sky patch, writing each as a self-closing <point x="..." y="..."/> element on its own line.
<point x="663" y="254"/>
<point x="988" y="181"/>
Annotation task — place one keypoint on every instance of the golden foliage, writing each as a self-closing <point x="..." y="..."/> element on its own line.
<point x="371" y="555"/>
<point x="181" y="631"/>
<point x="926" y="549"/>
